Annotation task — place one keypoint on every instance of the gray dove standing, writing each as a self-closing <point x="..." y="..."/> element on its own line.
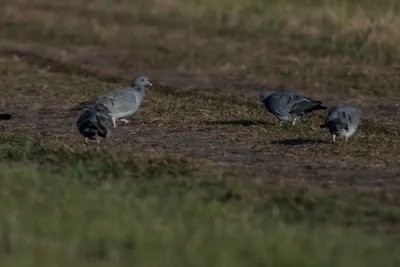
<point x="95" y="122"/>
<point x="122" y="102"/>
<point x="288" y="105"/>
<point x="342" y="121"/>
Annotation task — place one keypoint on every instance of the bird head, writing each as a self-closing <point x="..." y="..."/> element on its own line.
<point x="264" y="95"/>
<point x="142" y="82"/>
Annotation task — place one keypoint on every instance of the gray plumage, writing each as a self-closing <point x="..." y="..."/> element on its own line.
<point x="288" y="105"/>
<point x="95" y="122"/>
<point x="122" y="102"/>
<point x="342" y="120"/>
<point x="4" y="115"/>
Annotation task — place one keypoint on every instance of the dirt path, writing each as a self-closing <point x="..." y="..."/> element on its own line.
<point x="295" y="155"/>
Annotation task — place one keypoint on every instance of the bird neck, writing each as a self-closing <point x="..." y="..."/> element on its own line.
<point x="268" y="94"/>
<point x="141" y="90"/>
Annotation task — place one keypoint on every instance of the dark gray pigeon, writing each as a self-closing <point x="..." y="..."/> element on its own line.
<point x="95" y="122"/>
<point x="342" y="121"/>
<point x="288" y="105"/>
<point x="122" y="102"/>
<point x="4" y="115"/>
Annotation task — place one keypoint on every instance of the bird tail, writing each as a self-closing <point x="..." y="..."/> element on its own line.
<point x="95" y="121"/>
<point x="316" y="105"/>
<point x="89" y="130"/>
<point x="87" y="124"/>
<point x="320" y="107"/>
<point x="306" y="107"/>
<point x="82" y="105"/>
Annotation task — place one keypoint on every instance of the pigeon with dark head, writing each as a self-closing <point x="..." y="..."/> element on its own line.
<point x="288" y="105"/>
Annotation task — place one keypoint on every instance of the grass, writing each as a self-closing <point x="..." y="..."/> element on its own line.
<point x="202" y="176"/>
<point x="118" y="226"/>
<point x="107" y="209"/>
<point x="342" y="47"/>
<point x="363" y="30"/>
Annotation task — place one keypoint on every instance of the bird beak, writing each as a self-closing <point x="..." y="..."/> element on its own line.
<point x="149" y="84"/>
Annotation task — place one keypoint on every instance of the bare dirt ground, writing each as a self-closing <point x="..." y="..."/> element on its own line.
<point x="200" y="108"/>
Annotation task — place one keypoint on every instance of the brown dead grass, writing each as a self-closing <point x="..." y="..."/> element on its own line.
<point x="220" y="128"/>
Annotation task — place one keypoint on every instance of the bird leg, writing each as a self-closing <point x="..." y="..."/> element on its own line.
<point x="86" y="141"/>
<point x="124" y="120"/>
<point x="115" y="125"/>
<point x="280" y="123"/>
<point x="334" y="138"/>
<point x="346" y="139"/>
<point x="97" y="143"/>
<point x="294" y="121"/>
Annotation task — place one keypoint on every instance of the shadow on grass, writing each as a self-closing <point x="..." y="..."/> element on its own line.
<point x="241" y="122"/>
<point x="299" y="141"/>
<point x="4" y="116"/>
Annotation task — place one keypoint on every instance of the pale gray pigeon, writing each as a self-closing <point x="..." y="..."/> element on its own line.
<point x="342" y="121"/>
<point x="288" y="105"/>
<point x="4" y="115"/>
<point x="95" y="122"/>
<point x="122" y="102"/>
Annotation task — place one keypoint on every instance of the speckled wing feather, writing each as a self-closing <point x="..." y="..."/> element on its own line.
<point x="282" y="102"/>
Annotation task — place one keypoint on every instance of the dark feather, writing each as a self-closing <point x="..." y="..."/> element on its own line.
<point x="305" y="107"/>
<point x="95" y="122"/>
<point x="5" y="115"/>
<point x="335" y="124"/>
<point x="82" y="105"/>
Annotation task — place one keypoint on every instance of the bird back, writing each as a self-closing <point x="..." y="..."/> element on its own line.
<point x="342" y="117"/>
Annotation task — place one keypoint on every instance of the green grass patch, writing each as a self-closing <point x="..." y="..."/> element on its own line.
<point x="59" y="208"/>
<point x="361" y="30"/>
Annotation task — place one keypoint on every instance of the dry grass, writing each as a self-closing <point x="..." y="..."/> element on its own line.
<point x="364" y="30"/>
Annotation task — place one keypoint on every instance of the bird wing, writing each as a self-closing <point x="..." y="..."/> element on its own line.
<point x="333" y="112"/>
<point x="289" y="99"/>
<point x="103" y="119"/>
<point x="350" y="116"/>
<point x="119" y="101"/>
<point x="304" y="104"/>
<point x="281" y="102"/>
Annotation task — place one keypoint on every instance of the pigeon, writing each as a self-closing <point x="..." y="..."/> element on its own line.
<point x="342" y="121"/>
<point x="4" y="115"/>
<point x="288" y="105"/>
<point x="122" y="102"/>
<point x="95" y="122"/>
